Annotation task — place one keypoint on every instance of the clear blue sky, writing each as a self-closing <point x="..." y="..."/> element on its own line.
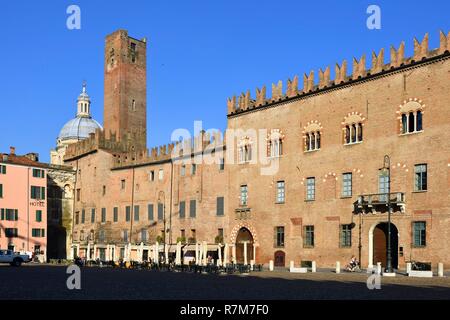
<point x="199" y="53"/>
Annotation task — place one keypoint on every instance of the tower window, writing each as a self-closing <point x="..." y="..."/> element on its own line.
<point x="133" y="105"/>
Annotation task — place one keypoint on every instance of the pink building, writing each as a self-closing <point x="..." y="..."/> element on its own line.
<point x="23" y="204"/>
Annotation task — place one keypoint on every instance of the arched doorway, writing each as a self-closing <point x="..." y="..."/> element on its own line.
<point x="280" y="259"/>
<point x="244" y="236"/>
<point x="380" y="236"/>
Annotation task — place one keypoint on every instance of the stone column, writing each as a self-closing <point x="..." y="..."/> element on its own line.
<point x="233" y="253"/>
<point x="440" y="269"/>
<point x="245" y="252"/>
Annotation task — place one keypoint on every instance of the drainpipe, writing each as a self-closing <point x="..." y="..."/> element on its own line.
<point x="132" y="208"/>
<point x="28" y="210"/>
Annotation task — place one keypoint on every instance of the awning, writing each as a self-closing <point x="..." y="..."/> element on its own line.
<point x="191" y="247"/>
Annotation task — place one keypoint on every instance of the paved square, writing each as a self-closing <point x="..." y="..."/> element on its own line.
<point x="49" y="282"/>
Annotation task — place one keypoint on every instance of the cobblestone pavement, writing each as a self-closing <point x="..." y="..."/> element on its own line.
<point x="49" y="282"/>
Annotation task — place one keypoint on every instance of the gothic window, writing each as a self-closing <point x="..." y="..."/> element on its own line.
<point x="275" y="143"/>
<point x="245" y="150"/>
<point x="411" y="116"/>
<point x="312" y="134"/>
<point x="353" y="128"/>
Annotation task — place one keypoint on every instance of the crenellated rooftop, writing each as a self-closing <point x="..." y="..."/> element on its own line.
<point x="244" y="102"/>
<point x="165" y="153"/>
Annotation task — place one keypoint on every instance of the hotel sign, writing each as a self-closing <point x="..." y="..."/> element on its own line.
<point x="37" y="203"/>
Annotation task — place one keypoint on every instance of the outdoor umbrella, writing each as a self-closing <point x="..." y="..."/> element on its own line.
<point x="225" y="254"/>
<point x="219" y="250"/>
<point x="178" y="255"/>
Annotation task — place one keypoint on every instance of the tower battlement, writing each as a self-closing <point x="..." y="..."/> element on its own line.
<point x="244" y="102"/>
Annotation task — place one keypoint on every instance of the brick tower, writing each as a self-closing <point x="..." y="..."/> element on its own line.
<point x="125" y="88"/>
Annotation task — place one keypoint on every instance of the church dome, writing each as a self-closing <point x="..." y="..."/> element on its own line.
<point x="78" y="129"/>
<point x="83" y="124"/>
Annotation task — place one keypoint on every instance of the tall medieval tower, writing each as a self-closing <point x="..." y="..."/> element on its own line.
<point x="125" y="88"/>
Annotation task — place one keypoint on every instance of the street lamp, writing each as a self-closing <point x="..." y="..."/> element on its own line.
<point x="163" y="197"/>
<point x="387" y="170"/>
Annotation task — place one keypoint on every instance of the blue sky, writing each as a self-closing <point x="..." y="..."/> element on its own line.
<point x="199" y="53"/>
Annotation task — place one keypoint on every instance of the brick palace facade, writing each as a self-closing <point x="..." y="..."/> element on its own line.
<point x="297" y="176"/>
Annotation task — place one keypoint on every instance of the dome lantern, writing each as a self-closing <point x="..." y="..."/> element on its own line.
<point x="84" y="103"/>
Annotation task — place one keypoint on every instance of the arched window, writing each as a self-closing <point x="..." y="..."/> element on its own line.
<point x="275" y="143"/>
<point x="411" y="116"/>
<point x="312" y="136"/>
<point x="245" y="150"/>
<point x="353" y="128"/>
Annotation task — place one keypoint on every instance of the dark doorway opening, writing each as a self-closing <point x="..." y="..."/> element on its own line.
<point x="244" y="235"/>
<point x="380" y="236"/>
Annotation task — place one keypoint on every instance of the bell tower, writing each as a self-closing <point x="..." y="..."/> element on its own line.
<point x="125" y="100"/>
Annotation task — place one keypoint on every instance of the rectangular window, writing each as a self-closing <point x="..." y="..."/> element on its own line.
<point x="127" y="213"/>
<point x="310" y="188"/>
<point x="419" y="233"/>
<point x="136" y="213"/>
<point x="192" y="209"/>
<point x="220" y="206"/>
<point x="144" y="235"/>
<point x="11" y="232"/>
<point x="101" y="236"/>
<point x="77" y="217"/>
<point x="83" y="215"/>
<point x="221" y="164"/>
<point x="10" y="214"/>
<point x="116" y="214"/>
<point x="2" y="169"/>
<point x="38" y="215"/>
<point x="92" y="215"/>
<point x="1" y="191"/>
<point x="183" y="233"/>
<point x="383" y="185"/>
<point x="347" y="184"/>
<point x="38" y="233"/>
<point x="125" y="235"/>
<point x="308" y="236"/>
<point x="152" y="175"/>
<point x="193" y="169"/>
<point x="182" y="209"/>
<point x="220" y="233"/>
<point x="37" y="193"/>
<point x="122" y="184"/>
<point x="150" y="214"/>
<point x="183" y="170"/>
<point x="279" y="236"/>
<point x="38" y="173"/>
<point x="160" y="211"/>
<point x="103" y="214"/>
<point x="104" y="190"/>
<point x="420" y="180"/>
<point x="160" y="174"/>
<point x="280" y="192"/>
<point x="244" y="195"/>
<point x="78" y="194"/>
<point x="345" y="235"/>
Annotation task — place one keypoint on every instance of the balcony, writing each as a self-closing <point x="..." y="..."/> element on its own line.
<point x="243" y="213"/>
<point x="379" y="202"/>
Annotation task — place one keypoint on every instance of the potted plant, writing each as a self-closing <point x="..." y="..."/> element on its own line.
<point x="218" y="239"/>
<point x="182" y="240"/>
<point x="159" y="239"/>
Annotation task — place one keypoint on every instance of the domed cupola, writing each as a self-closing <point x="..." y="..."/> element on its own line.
<point x="82" y="125"/>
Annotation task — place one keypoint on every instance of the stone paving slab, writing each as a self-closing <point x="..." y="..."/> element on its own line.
<point x="49" y="282"/>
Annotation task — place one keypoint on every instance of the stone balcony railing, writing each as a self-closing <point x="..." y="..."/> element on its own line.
<point x="243" y="213"/>
<point x="379" y="202"/>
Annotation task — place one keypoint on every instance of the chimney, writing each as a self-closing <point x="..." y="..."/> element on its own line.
<point x="12" y="151"/>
